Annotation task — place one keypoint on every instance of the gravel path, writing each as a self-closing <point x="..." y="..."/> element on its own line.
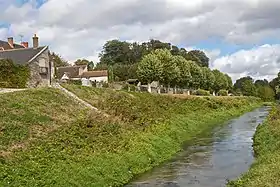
<point x="56" y="85"/>
<point x="8" y="90"/>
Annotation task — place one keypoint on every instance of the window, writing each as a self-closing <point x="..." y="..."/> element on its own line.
<point x="43" y="70"/>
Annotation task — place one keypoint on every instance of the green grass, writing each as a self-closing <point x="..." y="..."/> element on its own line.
<point x="48" y="140"/>
<point x="265" y="172"/>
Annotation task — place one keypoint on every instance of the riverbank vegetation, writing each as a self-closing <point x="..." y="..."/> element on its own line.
<point x="49" y="140"/>
<point x="266" y="170"/>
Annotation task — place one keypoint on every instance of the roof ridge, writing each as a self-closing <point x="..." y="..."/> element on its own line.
<point x="17" y="49"/>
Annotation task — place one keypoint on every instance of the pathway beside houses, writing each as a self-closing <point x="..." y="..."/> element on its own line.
<point x="8" y="90"/>
<point x="56" y="85"/>
<point x="77" y="99"/>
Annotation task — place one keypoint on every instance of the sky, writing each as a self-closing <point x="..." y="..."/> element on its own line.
<point x="241" y="37"/>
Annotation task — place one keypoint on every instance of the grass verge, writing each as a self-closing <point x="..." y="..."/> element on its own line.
<point x="49" y="140"/>
<point x="265" y="172"/>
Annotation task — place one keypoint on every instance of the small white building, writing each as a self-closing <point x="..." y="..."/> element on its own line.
<point x="96" y="76"/>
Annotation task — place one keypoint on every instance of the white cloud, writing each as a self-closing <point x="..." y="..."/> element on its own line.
<point x="79" y="28"/>
<point x="260" y="62"/>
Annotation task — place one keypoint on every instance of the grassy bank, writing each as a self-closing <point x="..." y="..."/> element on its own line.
<point x="48" y="140"/>
<point x="266" y="170"/>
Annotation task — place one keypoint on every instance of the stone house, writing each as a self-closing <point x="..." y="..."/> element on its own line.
<point x="35" y="57"/>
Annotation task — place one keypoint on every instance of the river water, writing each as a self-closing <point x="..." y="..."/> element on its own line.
<point x="224" y="154"/>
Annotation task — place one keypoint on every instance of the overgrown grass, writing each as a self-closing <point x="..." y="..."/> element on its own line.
<point x="265" y="172"/>
<point x="48" y="140"/>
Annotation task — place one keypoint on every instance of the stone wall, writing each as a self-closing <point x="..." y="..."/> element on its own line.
<point x="37" y="79"/>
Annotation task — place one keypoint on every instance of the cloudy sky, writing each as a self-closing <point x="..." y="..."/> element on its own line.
<point x="242" y="37"/>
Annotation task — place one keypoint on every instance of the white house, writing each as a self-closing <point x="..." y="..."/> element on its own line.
<point x="96" y="76"/>
<point x="81" y="73"/>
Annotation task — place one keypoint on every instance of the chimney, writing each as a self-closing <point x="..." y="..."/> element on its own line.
<point x="35" y="41"/>
<point x="11" y="42"/>
<point x="24" y="44"/>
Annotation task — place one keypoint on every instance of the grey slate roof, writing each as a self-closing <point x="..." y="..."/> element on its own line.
<point x="6" y="45"/>
<point x="20" y="56"/>
<point x="72" y="71"/>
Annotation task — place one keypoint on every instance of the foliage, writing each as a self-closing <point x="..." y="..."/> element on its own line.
<point x="122" y="52"/>
<point x="266" y="170"/>
<point x="202" y="92"/>
<point x="208" y="79"/>
<point x="115" y="51"/>
<point x="58" y="60"/>
<point x="13" y="75"/>
<point x="229" y="82"/>
<point x="150" y="69"/>
<point x="239" y="82"/>
<point x="248" y="88"/>
<point x="129" y="87"/>
<point x="196" y="74"/>
<point x="90" y="66"/>
<point x="125" y="71"/>
<point x="170" y="72"/>
<point x="223" y="93"/>
<point x="199" y="57"/>
<point x="184" y="75"/>
<point x="266" y="93"/>
<point x="261" y="83"/>
<point x="63" y="144"/>
<point x="80" y="62"/>
<point x="76" y="82"/>
<point x="261" y="88"/>
<point x="221" y="81"/>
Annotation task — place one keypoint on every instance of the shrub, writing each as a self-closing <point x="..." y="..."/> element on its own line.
<point x="76" y="82"/>
<point x="13" y="75"/>
<point x="202" y="92"/>
<point x="129" y="86"/>
<point x="223" y="93"/>
<point x="105" y="85"/>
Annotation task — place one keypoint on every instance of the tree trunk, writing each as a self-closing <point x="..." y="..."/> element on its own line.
<point x="174" y="90"/>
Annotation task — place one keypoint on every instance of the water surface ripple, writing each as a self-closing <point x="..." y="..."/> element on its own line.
<point x="222" y="155"/>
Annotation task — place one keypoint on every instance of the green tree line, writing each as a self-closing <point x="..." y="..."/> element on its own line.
<point x="123" y="57"/>
<point x="177" y="72"/>
<point x="268" y="91"/>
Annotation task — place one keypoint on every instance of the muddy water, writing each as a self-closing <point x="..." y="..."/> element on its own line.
<point x="222" y="155"/>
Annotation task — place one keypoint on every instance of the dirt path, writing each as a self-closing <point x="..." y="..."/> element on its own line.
<point x="9" y="90"/>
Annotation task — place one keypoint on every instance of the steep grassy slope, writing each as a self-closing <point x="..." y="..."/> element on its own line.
<point x="48" y="140"/>
<point x="266" y="170"/>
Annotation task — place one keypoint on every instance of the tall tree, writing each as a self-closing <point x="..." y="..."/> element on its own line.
<point x="150" y="69"/>
<point x="261" y="83"/>
<point x="248" y="88"/>
<point x="81" y="62"/>
<point x="58" y="60"/>
<point x="184" y="75"/>
<point x="265" y="92"/>
<point x="170" y="70"/>
<point x="114" y="52"/>
<point x="209" y="79"/>
<point x="199" y="57"/>
<point x="238" y="83"/>
<point x="229" y="81"/>
<point x="196" y="74"/>
<point x="221" y="81"/>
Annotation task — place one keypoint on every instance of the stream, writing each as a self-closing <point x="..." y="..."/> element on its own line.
<point x="210" y="161"/>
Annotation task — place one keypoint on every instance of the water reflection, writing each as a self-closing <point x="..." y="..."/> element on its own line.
<point x="210" y="161"/>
